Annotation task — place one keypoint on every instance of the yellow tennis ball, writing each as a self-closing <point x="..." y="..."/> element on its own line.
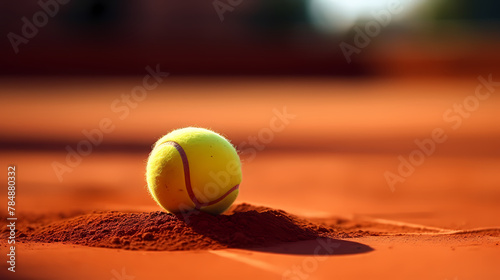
<point x="194" y="168"/>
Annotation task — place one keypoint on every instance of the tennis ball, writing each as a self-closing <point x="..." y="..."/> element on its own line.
<point x="193" y="168"/>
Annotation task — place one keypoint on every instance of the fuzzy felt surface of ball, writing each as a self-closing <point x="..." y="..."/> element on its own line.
<point x="194" y="169"/>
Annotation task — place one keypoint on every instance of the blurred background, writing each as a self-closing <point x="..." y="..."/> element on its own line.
<point x="354" y="84"/>
<point x="239" y="37"/>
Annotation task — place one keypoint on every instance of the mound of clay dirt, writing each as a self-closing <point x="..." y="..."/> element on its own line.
<point x="243" y="226"/>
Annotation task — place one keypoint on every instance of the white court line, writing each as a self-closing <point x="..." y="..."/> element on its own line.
<point x="404" y="224"/>
<point x="440" y="231"/>
<point x="474" y="230"/>
<point x="249" y="261"/>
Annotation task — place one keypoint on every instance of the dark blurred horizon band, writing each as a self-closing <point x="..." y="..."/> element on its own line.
<point x="222" y="37"/>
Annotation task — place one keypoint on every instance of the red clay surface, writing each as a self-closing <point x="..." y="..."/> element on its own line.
<point x="324" y="166"/>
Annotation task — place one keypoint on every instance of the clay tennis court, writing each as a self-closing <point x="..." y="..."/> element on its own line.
<point x="314" y="203"/>
<point x="368" y="133"/>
